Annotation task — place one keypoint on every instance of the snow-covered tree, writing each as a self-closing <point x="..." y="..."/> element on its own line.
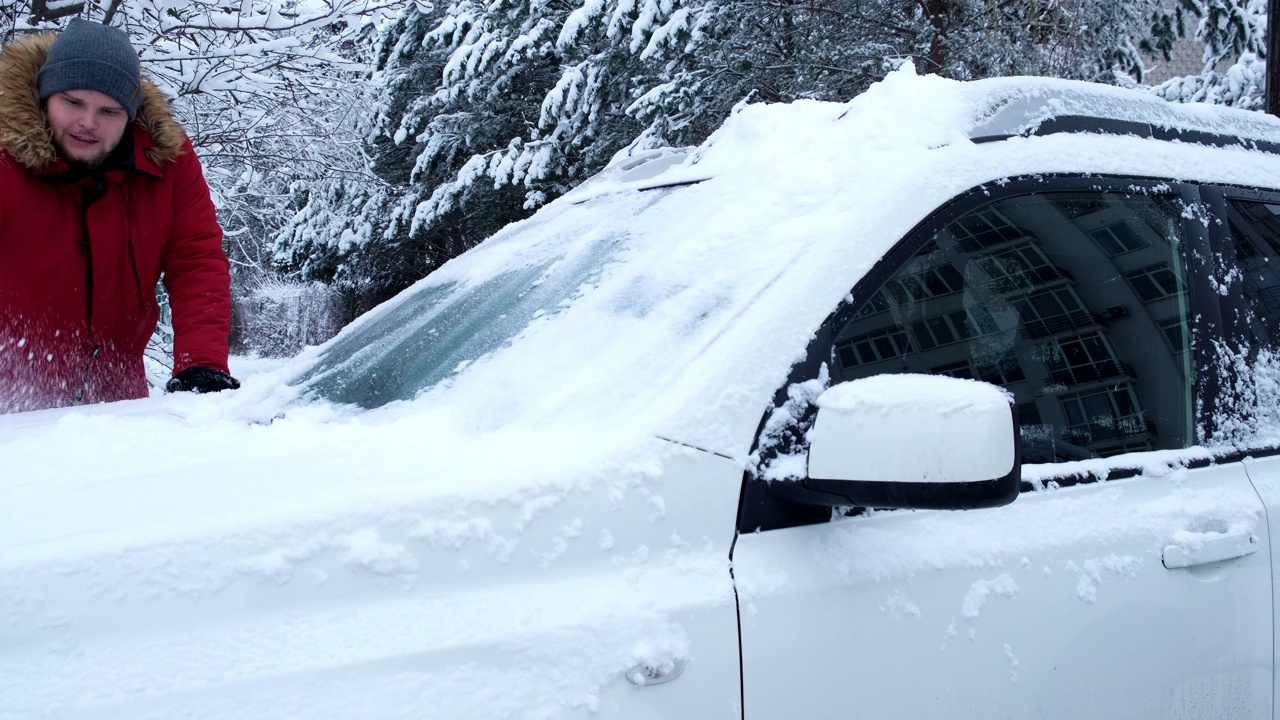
<point x="1077" y="39"/>
<point x="485" y="109"/>
<point x="264" y="90"/>
<point x="365" y="237"/>
<point x="268" y="92"/>
<point x="466" y="134"/>
<point x="1234" y="34"/>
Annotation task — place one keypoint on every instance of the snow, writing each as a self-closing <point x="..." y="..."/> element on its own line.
<point x="577" y="21"/>
<point x="1043" y="523"/>
<point x="155" y="551"/>
<point x="961" y="430"/>
<point x="933" y="393"/>
<point x="983" y="591"/>
<point x="1094" y="569"/>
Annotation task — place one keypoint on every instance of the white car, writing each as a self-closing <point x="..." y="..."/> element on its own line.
<point x="958" y="400"/>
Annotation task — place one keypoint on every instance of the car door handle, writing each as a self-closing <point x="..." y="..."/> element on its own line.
<point x="1203" y="548"/>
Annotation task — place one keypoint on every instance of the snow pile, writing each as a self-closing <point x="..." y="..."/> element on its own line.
<point x="958" y="430"/>
<point x="937" y="394"/>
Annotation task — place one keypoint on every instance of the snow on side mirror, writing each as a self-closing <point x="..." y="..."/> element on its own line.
<point x="916" y="441"/>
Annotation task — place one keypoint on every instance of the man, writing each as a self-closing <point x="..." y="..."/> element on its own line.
<point x="100" y="193"/>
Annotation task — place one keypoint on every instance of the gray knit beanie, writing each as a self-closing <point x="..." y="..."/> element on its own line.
<point x="92" y="56"/>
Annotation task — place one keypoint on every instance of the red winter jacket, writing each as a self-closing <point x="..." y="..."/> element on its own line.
<point x="77" y="286"/>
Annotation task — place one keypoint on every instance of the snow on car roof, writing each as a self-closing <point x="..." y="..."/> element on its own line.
<point x="1001" y="108"/>
<point x="1030" y="106"/>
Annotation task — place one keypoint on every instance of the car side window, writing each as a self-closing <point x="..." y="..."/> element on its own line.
<point x="1075" y="302"/>
<point x="1255" y="235"/>
<point x="1251" y="410"/>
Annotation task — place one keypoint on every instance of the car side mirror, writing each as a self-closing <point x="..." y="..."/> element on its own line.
<point x="915" y="441"/>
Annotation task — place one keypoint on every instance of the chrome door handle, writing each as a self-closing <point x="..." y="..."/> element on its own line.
<point x="1209" y="547"/>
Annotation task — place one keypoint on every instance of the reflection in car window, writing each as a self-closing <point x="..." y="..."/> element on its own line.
<point x="1255" y="233"/>
<point x="1074" y="302"/>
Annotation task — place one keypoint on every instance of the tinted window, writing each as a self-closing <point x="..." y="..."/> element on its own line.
<point x="1250" y="406"/>
<point x="1074" y="302"/>
<point x="1255" y="234"/>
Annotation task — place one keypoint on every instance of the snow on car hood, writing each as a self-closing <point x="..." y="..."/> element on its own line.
<point x="172" y="559"/>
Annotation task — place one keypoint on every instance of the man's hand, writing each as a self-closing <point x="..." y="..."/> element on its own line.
<point x="200" y="379"/>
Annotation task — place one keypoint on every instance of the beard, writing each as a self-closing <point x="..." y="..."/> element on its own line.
<point x="84" y="167"/>
<point x="81" y="167"/>
<point x="81" y="164"/>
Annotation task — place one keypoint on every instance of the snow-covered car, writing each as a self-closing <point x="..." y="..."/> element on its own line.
<point x="958" y="400"/>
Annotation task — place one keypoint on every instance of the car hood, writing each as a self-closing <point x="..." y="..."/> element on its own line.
<point x="164" y="557"/>
<point x="105" y="479"/>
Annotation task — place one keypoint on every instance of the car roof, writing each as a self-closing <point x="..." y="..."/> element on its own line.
<point x="1043" y="106"/>
<point x="1001" y="109"/>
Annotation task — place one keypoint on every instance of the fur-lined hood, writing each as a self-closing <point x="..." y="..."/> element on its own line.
<point x="24" y="129"/>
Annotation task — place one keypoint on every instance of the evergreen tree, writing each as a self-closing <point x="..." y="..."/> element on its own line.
<point x="484" y="110"/>
<point x="427" y="143"/>
<point x="1234" y="33"/>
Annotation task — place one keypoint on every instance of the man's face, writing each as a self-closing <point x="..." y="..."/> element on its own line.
<point x="87" y="125"/>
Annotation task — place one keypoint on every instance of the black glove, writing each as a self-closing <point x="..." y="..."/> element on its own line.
<point x="201" y="379"/>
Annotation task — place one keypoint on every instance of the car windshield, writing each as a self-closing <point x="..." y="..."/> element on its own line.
<point x="472" y="307"/>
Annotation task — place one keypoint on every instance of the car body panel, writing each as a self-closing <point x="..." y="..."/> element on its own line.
<point x="1056" y="606"/>
<point x="461" y="608"/>
<point x="1265" y="475"/>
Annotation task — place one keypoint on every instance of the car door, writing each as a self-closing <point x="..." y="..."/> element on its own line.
<point x="1130" y="579"/>
<point x="1248" y="241"/>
